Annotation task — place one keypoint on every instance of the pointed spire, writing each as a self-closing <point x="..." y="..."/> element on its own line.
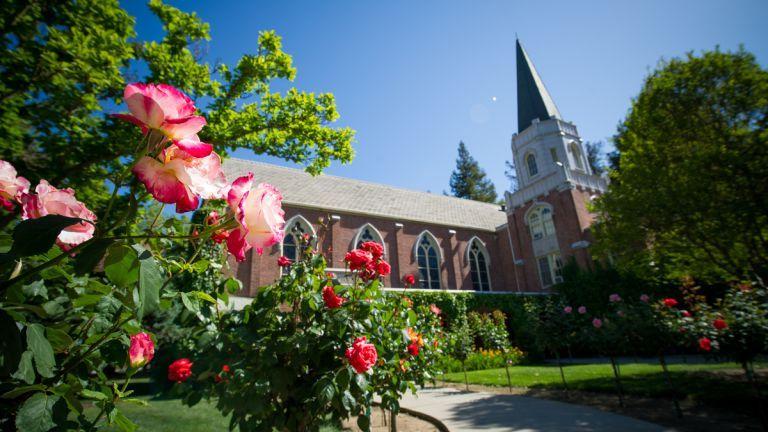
<point x="533" y="99"/>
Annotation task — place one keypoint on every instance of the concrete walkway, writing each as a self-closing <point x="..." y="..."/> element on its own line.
<point x="471" y="411"/>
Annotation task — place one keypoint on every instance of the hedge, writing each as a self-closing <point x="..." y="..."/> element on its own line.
<point x="520" y="309"/>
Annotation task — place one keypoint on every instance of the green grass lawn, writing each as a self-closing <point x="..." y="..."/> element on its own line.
<point x="170" y="415"/>
<point x="641" y="379"/>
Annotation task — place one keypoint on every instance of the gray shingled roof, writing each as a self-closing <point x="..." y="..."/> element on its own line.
<point x="329" y="192"/>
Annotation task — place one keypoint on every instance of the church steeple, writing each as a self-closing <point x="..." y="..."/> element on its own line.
<point x="533" y="99"/>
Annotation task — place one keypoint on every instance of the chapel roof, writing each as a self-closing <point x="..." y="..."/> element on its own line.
<point x="328" y="192"/>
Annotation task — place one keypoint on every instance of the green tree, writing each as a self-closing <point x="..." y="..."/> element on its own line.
<point x="65" y="64"/>
<point x="594" y="157"/>
<point x="689" y="188"/>
<point x="468" y="180"/>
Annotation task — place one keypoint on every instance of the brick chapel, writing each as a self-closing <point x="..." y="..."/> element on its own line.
<point x="450" y="243"/>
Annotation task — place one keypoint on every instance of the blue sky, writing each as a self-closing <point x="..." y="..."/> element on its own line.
<point x="415" y="77"/>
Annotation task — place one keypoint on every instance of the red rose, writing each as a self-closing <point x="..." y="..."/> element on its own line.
<point x="670" y="302"/>
<point x="284" y="261"/>
<point x="219" y="236"/>
<point x="383" y="268"/>
<point x="376" y="250"/>
<point x="180" y="370"/>
<point x="434" y="309"/>
<point x="332" y="301"/>
<point x="362" y="355"/>
<point x="686" y="314"/>
<point x="409" y="280"/>
<point x="225" y="368"/>
<point x="705" y="344"/>
<point x="413" y="349"/>
<point x="720" y="324"/>
<point x="358" y="259"/>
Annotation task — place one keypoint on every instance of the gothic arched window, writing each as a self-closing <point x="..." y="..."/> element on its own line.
<point x="577" y="158"/>
<point x="540" y="222"/>
<point x="478" y="266"/>
<point x="293" y="244"/>
<point x="368" y="233"/>
<point x="533" y="169"/>
<point x="428" y="259"/>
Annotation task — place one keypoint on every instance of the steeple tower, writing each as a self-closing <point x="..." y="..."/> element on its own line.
<point x="533" y="99"/>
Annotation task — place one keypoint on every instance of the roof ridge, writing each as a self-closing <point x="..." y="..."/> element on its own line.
<point x="452" y="198"/>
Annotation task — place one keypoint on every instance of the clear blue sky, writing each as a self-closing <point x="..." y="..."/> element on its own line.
<point x="415" y="77"/>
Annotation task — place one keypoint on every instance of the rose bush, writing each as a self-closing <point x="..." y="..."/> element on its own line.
<point x="308" y="348"/>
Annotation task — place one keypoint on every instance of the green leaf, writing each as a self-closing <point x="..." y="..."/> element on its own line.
<point x="96" y="286"/>
<point x="233" y="285"/>
<point x="59" y="339"/>
<point x="37" y="236"/>
<point x="150" y="281"/>
<point x="348" y="401"/>
<point x="412" y="317"/>
<point x="41" y="350"/>
<point x="205" y="296"/>
<point x="11" y="345"/>
<point x="364" y="423"/>
<point x="325" y="389"/>
<point x="35" y="289"/>
<point x="361" y="381"/>
<point x="18" y="391"/>
<point x="36" y="415"/>
<point x="87" y="300"/>
<point x="200" y="266"/>
<point x="140" y="402"/>
<point x="89" y="257"/>
<point x="26" y="371"/>
<point x="190" y="302"/>
<point x="92" y="394"/>
<point x="122" y="265"/>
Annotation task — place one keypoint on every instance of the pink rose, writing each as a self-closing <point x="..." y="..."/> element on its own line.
<point x="165" y="109"/>
<point x="362" y="355"/>
<point x="181" y="179"/>
<point x="259" y="214"/>
<point x="376" y="250"/>
<point x="597" y="322"/>
<point x="434" y="309"/>
<point x="11" y="186"/>
<point x="644" y="298"/>
<point x="614" y="298"/>
<point x="331" y="299"/>
<point x="141" y="351"/>
<point x="567" y="309"/>
<point x="49" y="200"/>
<point x="582" y="310"/>
<point x="358" y="259"/>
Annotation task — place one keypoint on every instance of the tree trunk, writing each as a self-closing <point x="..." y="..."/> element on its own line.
<point x="392" y="421"/>
<point x="617" y="380"/>
<point x="749" y="371"/>
<point x="560" y="365"/>
<point x="466" y="381"/>
<point x="509" y="380"/>
<point x="668" y="379"/>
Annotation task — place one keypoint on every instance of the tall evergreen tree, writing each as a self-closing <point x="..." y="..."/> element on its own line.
<point x="468" y="180"/>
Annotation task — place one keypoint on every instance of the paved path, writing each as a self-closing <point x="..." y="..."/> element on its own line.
<point x="471" y="411"/>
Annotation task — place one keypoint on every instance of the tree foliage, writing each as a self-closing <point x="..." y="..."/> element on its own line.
<point x="65" y="63"/>
<point x="594" y="156"/>
<point x="468" y="180"/>
<point x="688" y="192"/>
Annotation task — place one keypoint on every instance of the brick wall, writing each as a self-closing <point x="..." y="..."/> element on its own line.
<point x="337" y="237"/>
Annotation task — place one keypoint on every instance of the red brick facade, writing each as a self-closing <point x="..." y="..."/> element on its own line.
<point x="337" y="236"/>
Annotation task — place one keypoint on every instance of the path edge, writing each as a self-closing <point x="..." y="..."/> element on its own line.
<point x="426" y="417"/>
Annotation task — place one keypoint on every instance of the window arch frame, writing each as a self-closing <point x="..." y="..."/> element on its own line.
<point x="544" y="225"/>
<point x="304" y="223"/>
<point x="482" y="249"/>
<point x="358" y="236"/>
<point x="577" y="155"/>
<point x="530" y="156"/>
<point x="438" y="255"/>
